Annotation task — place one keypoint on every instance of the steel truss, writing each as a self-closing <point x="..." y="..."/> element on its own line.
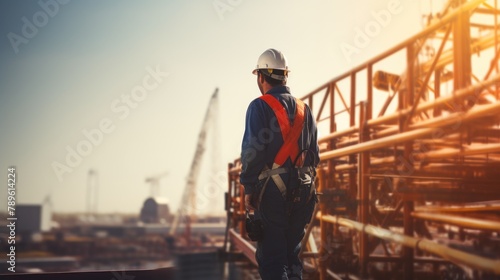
<point x="410" y="187"/>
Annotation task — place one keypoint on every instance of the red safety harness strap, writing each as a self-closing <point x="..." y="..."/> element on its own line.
<point x="290" y="132"/>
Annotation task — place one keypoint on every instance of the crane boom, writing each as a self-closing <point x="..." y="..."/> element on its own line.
<point x="189" y="194"/>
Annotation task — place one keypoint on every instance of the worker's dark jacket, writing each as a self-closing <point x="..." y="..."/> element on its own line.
<point x="263" y="139"/>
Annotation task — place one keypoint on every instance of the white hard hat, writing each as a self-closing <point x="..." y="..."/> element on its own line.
<point x="272" y="59"/>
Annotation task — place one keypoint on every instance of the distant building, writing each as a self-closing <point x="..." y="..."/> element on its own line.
<point x="155" y="210"/>
<point x="32" y="218"/>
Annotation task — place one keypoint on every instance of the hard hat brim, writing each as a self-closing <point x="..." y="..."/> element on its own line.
<point x="257" y="69"/>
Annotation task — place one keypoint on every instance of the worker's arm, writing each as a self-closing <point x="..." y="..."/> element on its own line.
<point x="252" y="147"/>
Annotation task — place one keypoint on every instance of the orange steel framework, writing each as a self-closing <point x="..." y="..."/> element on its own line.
<point x="410" y="188"/>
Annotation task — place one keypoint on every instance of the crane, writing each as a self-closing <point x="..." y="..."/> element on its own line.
<point x="155" y="183"/>
<point x="189" y="194"/>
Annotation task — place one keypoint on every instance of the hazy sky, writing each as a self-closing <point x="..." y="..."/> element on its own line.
<point x="121" y="87"/>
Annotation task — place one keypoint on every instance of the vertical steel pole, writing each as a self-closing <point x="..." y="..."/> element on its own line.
<point x="352" y="111"/>
<point x="364" y="191"/>
<point x="228" y="205"/>
<point x="323" y="252"/>
<point x="331" y="144"/>
<point x="352" y="123"/>
<point x="310" y="101"/>
<point x="363" y="171"/>
<point x="369" y="93"/>
<point x="332" y="107"/>
<point x="327" y="180"/>
<point x="408" y="204"/>
<point x="242" y="210"/>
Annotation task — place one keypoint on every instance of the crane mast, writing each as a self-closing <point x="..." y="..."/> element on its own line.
<point x="189" y="194"/>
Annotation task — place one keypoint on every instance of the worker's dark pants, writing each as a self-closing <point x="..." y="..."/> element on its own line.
<point x="277" y="253"/>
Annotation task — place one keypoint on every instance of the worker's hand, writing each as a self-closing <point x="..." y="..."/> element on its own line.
<point x="248" y="202"/>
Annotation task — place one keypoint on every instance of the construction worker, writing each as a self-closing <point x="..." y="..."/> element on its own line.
<point x="279" y="157"/>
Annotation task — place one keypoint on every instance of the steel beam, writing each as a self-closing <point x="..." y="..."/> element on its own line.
<point x="476" y="112"/>
<point x="458" y="220"/>
<point x="243" y="245"/>
<point x="453" y="255"/>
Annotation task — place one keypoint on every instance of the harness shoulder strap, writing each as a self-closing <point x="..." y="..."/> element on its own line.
<point x="289" y="131"/>
<point x="280" y="113"/>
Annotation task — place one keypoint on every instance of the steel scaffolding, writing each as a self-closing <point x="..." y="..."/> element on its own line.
<point x="409" y="188"/>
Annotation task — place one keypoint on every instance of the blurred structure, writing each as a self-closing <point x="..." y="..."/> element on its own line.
<point x="29" y="219"/>
<point x="47" y="208"/>
<point x="155" y="210"/>
<point x="409" y="187"/>
<point x="100" y="245"/>
<point x="155" y="183"/>
<point x="92" y="193"/>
